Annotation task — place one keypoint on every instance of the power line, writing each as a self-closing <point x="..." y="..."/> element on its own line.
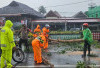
<point x="68" y="4"/>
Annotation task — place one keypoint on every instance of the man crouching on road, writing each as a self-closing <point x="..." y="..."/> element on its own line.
<point x="7" y="43"/>
<point x="37" y="44"/>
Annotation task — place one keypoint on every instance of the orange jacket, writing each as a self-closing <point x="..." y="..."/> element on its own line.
<point x="37" y="31"/>
<point x="45" y="31"/>
<point x="36" y="42"/>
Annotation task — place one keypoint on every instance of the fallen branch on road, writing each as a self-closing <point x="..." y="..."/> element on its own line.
<point x="47" y="62"/>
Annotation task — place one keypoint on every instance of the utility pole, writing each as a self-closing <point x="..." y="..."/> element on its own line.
<point x="65" y="25"/>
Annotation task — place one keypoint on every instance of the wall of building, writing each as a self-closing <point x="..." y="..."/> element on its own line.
<point x="93" y="12"/>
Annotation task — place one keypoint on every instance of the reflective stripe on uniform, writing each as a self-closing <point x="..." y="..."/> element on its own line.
<point x="2" y="30"/>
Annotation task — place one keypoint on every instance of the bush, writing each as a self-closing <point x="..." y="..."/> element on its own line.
<point x="96" y="44"/>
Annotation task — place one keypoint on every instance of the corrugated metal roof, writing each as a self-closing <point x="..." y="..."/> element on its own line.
<point x="19" y="8"/>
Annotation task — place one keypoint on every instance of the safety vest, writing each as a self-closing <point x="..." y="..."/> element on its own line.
<point x="39" y="38"/>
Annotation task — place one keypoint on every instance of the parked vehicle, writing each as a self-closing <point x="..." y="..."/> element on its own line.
<point x="18" y="54"/>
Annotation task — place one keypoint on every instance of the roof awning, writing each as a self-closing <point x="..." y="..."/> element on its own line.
<point x="67" y="20"/>
<point x="10" y="14"/>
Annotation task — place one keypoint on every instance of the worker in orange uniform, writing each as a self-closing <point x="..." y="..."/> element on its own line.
<point x="45" y="33"/>
<point x="37" y="31"/>
<point x="37" y="44"/>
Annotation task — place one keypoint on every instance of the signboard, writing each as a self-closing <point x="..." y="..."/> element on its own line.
<point x="24" y="22"/>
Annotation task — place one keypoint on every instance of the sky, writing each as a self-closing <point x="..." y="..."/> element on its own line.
<point x="66" y="8"/>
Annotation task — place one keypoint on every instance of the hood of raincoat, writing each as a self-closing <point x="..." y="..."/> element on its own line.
<point x="8" y="24"/>
<point x="38" y="26"/>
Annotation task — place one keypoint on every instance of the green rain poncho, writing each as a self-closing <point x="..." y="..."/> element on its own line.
<point x="87" y="35"/>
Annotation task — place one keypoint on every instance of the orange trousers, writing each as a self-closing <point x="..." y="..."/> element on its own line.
<point x="46" y="45"/>
<point x="37" y="51"/>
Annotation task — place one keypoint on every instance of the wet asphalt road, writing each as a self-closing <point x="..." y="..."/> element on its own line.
<point x="66" y="60"/>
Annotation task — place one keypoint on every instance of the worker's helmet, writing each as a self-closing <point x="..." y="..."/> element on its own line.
<point x="85" y="24"/>
<point x="47" y="26"/>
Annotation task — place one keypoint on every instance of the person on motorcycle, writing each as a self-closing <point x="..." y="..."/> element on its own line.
<point x="24" y="36"/>
<point x="7" y="43"/>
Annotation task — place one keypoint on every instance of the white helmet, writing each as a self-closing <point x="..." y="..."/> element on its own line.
<point x="47" y="26"/>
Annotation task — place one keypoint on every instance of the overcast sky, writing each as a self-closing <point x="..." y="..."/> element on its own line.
<point x="66" y="10"/>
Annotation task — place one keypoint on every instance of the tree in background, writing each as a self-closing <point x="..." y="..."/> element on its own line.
<point x="42" y="9"/>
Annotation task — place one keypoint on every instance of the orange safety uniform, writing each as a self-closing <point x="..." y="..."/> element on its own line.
<point x="37" y="31"/>
<point x="45" y="33"/>
<point x="36" y="44"/>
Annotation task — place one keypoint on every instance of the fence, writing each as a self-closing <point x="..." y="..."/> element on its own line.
<point x="62" y="37"/>
<point x="96" y="35"/>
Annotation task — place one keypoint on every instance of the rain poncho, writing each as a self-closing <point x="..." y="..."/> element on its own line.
<point x="36" y="44"/>
<point x="7" y="43"/>
<point x="45" y="33"/>
<point x="87" y="35"/>
<point x="37" y="31"/>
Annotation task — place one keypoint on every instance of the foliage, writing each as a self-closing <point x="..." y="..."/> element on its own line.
<point x="18" y="27"/>
<point x="49" y="54"/>
<point x="30" y="41"/>
<point x="30" y="49"/>
<point x="42" y="9"/>
<point x="62" y="51"/>
<point x="81" y="64"/>
<point x="30" y="35"/>
<point x="96" y="44"/>
<point x="64" y="32"/>
<point x="70" y="47"/>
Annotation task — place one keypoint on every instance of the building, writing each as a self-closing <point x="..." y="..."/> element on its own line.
<point x="19" y="13"/>
<point x="93" y="12"/>
<point x="64" y="24"/>
<point x="53" y="14"/>
<point x="80" y="15"/>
